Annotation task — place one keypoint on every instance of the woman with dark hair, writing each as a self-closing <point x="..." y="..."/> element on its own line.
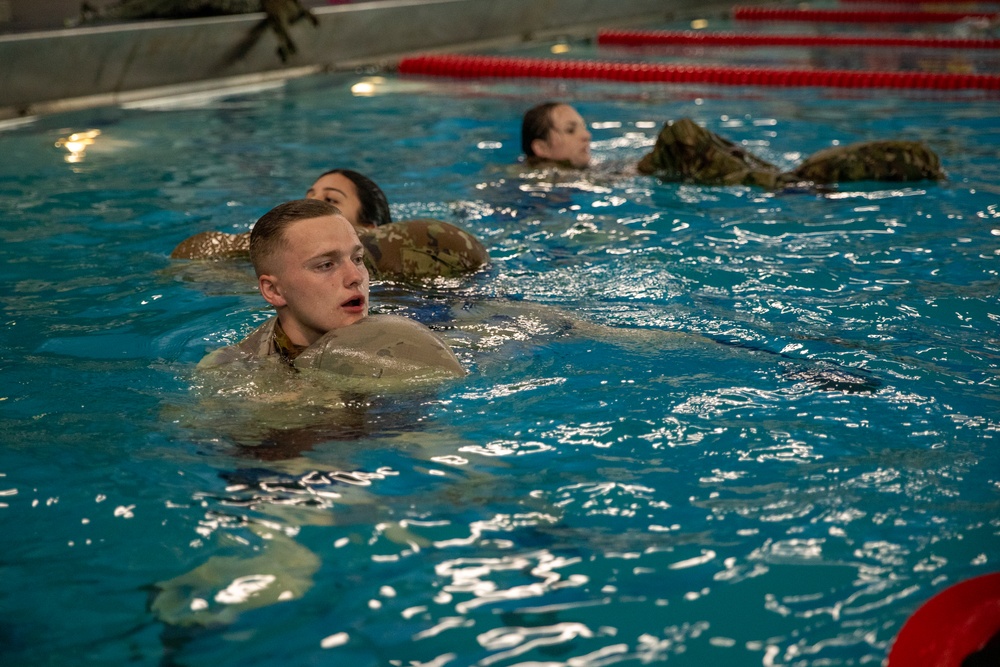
<point x="357" y="196"/>
<point x="409" y="249"/>
<point x="554" y="134"/>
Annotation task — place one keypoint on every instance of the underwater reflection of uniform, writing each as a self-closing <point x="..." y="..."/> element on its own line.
<point x="276" y="413"/>
<point x="306" y="376"/>
<point x="339" y="388"/>
<point x="555" y="134"/>
<point x="409" y="249"/>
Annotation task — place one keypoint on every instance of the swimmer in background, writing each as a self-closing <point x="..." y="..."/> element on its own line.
<point x="554" y="134"/>
<point x="410" y="249"/>
<point x="310" y="267"/>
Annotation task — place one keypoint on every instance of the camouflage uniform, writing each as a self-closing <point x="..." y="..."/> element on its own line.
<point x="422" y="248"/>
<point x="213" y="245"/>
<point x="684" y="151"/>
<point x="410" y="249"/>
<point x="889" y="160"/>
<point x="379" y="346"/>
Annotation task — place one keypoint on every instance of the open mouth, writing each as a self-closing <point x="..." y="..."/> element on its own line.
<point x="356" y="302"/>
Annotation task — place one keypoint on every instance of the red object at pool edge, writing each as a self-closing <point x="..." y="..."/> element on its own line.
<point x="951" y="626"/>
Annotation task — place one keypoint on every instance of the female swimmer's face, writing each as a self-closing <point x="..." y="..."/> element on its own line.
<point x="568" y="139"/>
<point x="340" y="191"/>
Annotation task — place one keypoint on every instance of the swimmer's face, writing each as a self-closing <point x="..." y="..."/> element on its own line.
<point x="319" y="281"/>
<point x="568" y="140"/>
<point x="340" y="191"/>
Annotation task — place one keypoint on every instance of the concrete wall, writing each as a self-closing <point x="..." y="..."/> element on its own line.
<point x="70" y="68"/>
<point x="24" y="15"/>
<point x="20" y="15"/>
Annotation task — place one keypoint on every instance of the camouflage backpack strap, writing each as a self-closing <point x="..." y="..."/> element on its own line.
<point x="890" y="160"/>
<point x="685" y="151"/>
<point x="213" y="245"/>
<point x="384" y="347"/>
<point x="418" y="249"/>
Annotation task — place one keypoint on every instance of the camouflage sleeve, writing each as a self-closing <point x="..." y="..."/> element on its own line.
<point x="685" y="151"/>
<point x="418" y="249"/>
<point x="872" y="161"/>
<point x="213" y="245"/>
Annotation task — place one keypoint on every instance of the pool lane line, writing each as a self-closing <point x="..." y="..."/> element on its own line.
<point x="752" y="13"/>
<point x="699" y="38"/>
<point x="463" y="66"/>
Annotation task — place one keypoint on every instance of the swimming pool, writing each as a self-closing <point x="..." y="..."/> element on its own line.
<point x="597" y="491"/>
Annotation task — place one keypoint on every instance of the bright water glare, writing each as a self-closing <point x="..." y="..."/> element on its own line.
<point x="706" y="425"/>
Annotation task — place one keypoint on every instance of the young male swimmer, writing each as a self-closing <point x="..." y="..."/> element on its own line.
<point x="410" y="249"/>
<point x="554" y="134"/>
<point x="310" y="267"/>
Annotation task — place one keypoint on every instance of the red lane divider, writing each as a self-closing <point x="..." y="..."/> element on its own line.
<point x="459" y="66"/>
<point x="697" y="38"/>
<point x="750" y="13"/>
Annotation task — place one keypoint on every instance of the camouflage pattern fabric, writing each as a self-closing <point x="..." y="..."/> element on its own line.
<point x="383" y="347"/>
<point x="213" y="245"/>
<point x="257" y="345"/>
<point x="871" y="161"/>
<point x="405" y="250"/>
<point x="421" y="249"/>
<point x="687" y="152"/>
<point x="386" y="347"/>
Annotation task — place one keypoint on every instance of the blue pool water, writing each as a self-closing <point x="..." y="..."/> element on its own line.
<point x="641" y="465"/>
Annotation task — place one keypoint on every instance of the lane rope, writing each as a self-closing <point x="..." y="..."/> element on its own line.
<point x="699" y="38"/>
<point x="463" y="66"/>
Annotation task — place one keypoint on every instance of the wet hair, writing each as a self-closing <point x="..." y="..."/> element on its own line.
<point x="268" y="234"/>
<point x="374" y="206"/>
<point x="536" y="124"/>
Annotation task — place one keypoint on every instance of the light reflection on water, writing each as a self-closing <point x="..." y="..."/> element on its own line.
<point x="646" y="463"/>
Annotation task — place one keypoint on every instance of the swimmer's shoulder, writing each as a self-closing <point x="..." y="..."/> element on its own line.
<point x="422" y="248"/>
<point x="256" y="345"/>
<point x="213" y="245"/>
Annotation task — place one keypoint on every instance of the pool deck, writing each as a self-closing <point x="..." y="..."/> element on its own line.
<point x="48" y="71"/>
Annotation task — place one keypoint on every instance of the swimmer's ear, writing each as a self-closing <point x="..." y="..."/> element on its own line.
<point x="540" y="147"/>
<point x="270" y="290"/>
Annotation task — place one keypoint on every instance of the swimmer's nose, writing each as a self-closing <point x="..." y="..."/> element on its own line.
<point x="355" y="274"/>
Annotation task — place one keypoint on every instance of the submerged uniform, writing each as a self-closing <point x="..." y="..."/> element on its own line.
<point x="378" y="346"/>
<point x="685" y="151"/>
<point x="410" y="249"/>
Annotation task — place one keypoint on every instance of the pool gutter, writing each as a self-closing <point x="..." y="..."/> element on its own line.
<point x="71" y="68"/>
